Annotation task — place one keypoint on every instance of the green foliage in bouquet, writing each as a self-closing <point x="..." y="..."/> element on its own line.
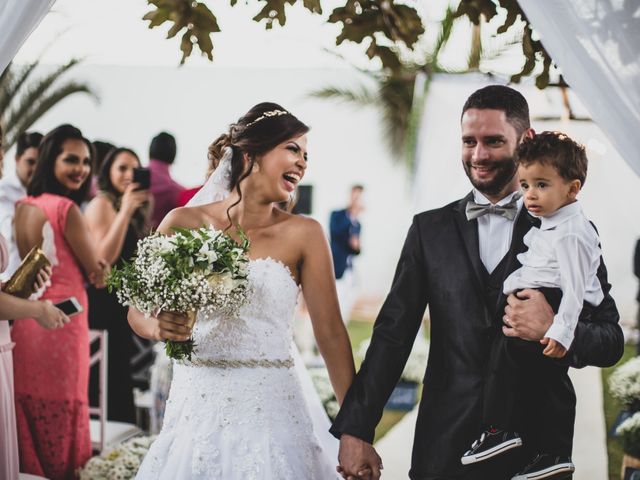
<point x="193" y="271"/>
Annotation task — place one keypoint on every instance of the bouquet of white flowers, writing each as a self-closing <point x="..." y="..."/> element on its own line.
<point x="201" y="270"/>
<point x="624" y="384"/>
<point x="118" y="463"/>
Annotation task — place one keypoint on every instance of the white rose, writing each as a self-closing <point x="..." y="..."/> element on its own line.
<point x="209" y="255"/>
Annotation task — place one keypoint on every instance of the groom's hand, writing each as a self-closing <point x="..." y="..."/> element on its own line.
<point x="527" y="315"/>
<point x="358" y="459"/>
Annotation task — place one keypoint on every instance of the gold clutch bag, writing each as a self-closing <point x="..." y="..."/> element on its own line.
<point x="21" y="282"/>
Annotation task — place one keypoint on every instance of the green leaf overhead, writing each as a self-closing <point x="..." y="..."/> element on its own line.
<point x="194" y="18"/>
<point x="384" y="27"/>
<point x="533" y="51"/>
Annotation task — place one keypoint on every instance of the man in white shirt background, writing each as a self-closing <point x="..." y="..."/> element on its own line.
<point x="12" y="188"/>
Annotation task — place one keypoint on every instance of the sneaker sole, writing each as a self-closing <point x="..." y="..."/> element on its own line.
<point x="547" y="472"/>
<point x="497" y="450"/>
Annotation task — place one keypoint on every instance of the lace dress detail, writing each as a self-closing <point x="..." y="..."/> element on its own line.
<point x="241" y="422"/>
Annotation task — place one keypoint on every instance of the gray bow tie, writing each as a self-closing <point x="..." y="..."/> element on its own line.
<point x="509" y="210"/>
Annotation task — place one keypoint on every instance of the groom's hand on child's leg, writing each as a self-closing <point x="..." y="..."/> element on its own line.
<point x="553" y="349"/>
<point x="527" y="315"/>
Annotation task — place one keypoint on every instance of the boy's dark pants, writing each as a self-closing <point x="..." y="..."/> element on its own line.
<point x="519" y="374"/>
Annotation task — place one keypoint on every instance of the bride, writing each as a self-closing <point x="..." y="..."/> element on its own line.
<point x="237" y="410"/>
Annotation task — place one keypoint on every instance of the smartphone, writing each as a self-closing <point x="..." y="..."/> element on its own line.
<point x="70" y="306"/>
<point x="142" y="176"/>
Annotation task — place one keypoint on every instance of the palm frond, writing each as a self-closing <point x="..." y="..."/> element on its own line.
<point x="396" y="98"/>
<point x="32" y="92"/>
<point x="6" y="79"/>
<point x="362" y="96"/>
<point x="446" y="27"/>
<point x="475" y="53"/>
<point x="18" y="125"/>
<point x="501" y="44"/>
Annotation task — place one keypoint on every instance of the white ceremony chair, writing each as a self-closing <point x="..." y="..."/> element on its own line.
<point x="104" y="432"/>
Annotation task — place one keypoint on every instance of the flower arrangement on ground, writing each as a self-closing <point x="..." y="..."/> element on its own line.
<point x="193" y="271"/>
<point x="629" y="433"/>
<point x="416" y="364"/>
<point x="118" y="463"/>
<point x="624" y="384"/>
<point x="320" y="378"/>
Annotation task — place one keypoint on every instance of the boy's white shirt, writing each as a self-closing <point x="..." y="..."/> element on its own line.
<point x="563" y="253"/>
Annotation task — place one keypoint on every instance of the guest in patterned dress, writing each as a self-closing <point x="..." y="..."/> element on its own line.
<point x="52" y="367"/>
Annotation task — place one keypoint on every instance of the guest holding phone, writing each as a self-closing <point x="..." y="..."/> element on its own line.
<point x="51" y="367"/>
<point x="118" y="217"/>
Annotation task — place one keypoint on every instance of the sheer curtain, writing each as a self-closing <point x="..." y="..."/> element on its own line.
<point x="596" y="44"/>
<point x="18" y="18"/>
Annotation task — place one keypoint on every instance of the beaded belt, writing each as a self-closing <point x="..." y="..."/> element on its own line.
<point x="199" y="362"/>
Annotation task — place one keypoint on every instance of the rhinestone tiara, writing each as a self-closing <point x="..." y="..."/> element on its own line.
<point x="269" y="114"/>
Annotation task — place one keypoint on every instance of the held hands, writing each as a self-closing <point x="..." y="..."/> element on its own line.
<point x="553" y="349"/>
<point x="51" y="317"/>
<point x="358" y="459"/>
<point x="132" y="198"/>
<point x="527" y="315"/>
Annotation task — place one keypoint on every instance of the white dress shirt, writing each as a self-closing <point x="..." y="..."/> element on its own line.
<point x="563" y="253"/>
<point x="11" y="190"/>
<point x="494" y="231"/>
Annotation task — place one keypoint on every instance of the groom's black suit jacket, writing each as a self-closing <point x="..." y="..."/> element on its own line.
<point x="440" y="266"/>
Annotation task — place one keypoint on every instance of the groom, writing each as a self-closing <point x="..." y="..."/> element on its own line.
<point x="457" y="267"/>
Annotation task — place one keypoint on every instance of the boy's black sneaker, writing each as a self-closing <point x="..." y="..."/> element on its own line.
<point x="547" y="466"/>
<point x="492" y="442"/>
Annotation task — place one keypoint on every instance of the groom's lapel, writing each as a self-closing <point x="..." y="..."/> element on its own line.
<point x="468" y="230"/>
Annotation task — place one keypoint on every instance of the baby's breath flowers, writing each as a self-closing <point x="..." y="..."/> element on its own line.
<point x="200" y="270"/>
<point x="120" y="462"/>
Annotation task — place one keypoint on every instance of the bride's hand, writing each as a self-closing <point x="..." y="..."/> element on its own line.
<point x="173" y="326"/>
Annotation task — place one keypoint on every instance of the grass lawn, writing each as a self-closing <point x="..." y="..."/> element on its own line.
<point x="360" y="330"/>
<point x="611" y="409"/>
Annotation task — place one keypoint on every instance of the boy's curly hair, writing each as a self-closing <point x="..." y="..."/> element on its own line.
<point x="568" y="157"/>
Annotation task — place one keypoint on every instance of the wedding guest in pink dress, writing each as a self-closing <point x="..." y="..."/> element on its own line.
<point x="11" y="307"/>
<point x="51" y="368"/>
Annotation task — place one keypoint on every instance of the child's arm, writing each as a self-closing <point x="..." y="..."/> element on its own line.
<point x="575" y="258"/>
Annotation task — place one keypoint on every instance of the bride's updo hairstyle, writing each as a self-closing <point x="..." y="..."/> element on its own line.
<point x="260" y="130"/>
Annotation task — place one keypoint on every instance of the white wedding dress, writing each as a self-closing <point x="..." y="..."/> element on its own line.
<point x="238" y="411"/>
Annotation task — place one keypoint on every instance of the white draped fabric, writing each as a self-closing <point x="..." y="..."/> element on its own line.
<point x="18" y="18"/>
<point x="596" y="44"/>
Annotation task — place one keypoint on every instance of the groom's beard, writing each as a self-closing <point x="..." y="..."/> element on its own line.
<point x="504" y="171"/>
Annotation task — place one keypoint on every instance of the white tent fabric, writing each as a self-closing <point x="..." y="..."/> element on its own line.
<point x="18" y="18"/>
<point x="596" y="44"/>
